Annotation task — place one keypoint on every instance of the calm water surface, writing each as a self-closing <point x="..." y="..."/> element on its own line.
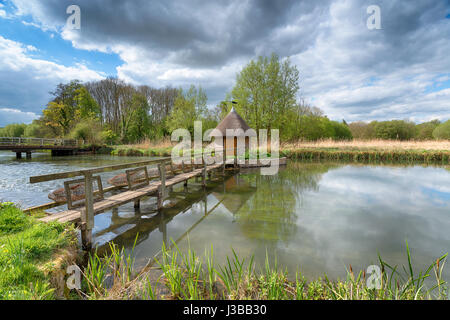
<point x="314" y="217"/>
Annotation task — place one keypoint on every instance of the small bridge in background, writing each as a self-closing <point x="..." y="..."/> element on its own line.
<point x="59" y="147"/>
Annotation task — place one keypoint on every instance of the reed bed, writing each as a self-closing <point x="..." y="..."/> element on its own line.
<point x="374" y="144"/>
<point x="432" y="151"/>
<point x="186" y="275"/>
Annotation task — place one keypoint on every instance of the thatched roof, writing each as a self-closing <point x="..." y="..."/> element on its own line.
<point x="232" y="121"/>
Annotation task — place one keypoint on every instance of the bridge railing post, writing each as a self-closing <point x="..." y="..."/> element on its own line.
<point x="204" y="173"/>
<point x="162" y="187"/>
<point x="87" y="215"/>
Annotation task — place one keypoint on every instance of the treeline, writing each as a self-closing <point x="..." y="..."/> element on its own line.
<point x="266" y="91"/>
<point x="112" y="111"/>
<point x="400" y="130"/>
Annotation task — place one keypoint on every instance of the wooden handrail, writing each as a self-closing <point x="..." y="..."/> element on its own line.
<point x="87" y="214"/>
<point x="38" y="141"/>
<point x="77" y="173"/>
<point x="71" y="174"/>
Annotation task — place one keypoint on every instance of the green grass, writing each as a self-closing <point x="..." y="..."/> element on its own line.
<point x="25" y="246"/>
<point x="186" y="276"/>
<point x="138" y="152"/>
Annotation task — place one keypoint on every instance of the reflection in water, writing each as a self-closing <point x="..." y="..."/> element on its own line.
<point x="270" y="215"/>
<point x="313" y="216"/>
<point x="317" y="217"/>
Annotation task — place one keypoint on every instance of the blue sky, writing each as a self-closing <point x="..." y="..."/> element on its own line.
<point x="52" y="47"/>
<point x="400" y="71"/>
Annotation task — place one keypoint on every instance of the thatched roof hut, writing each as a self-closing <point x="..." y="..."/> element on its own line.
<point x="232" y="121"/>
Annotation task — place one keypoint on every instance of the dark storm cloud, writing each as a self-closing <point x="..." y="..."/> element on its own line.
<point x="346" y="69"/>
<point x="198" y="33"/>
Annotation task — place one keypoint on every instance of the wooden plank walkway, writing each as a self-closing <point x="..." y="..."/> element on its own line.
<point x="108" y="203"/>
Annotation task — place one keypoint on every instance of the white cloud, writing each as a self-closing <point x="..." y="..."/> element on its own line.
<point x="347" y="70"/>
<point x="25" y="82"/>
<point x="9" y="115"/>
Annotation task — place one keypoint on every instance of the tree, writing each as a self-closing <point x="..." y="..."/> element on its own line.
<point x="424" y="131"/>
<point x="395" y="130"/>
<point x="87" y="107"/>
<point x="362" y="130"/>
<point x="88" y="130"/>
<point x="71" y="104"/>
<point x="341" y="131"/>
<point x="58" y="116"/>
<point x="13" y="130"/>
<point x="188" y="107"/>
<point x="442" y="131"/>
<point x="37" y="129"/>
<point x="139" y="124"/>
<point x="266" y="90"/>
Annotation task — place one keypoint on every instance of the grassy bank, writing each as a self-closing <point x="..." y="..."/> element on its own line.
<point x="178" y="275"/>
<point x="32" y="255"/>
<point x="435" y="151"/>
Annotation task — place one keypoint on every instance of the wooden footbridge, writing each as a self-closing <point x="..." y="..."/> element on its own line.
<point x="139" y="185"/>
<point x="28" y="145"/>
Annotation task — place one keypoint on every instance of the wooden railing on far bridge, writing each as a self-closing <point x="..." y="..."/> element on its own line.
<point x="41" y="142"/>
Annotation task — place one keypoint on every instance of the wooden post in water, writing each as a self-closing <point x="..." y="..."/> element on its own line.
<point x="204" y="174"/>
<point x="163" y="228"/>
<point x="87" y="215"/>
<point x="162" y="187"/>
<point x="182" y="169"/>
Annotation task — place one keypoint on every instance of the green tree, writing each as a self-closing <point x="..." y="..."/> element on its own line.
<point x="395" y="130"/>
<point x="87" y="130"/>
<point x="341" y="131"/>
<point x="424" y="131"/>
<point x="266" y="90"/>
<point x="139" y="124"/>
<point x="362" y="130"/>
<point x="71" y="104"/>
<point x="58" y="117"/>
<point x="86" y="106"/>
<point x="442" y="131"/>
<point x="188" y="107"/>
<point x="13" y="130"/>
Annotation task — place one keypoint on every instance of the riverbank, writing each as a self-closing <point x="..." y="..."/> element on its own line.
<point x="186" y="275"/>
<point x="33" y="256"/>
<point x="435" y="151"/>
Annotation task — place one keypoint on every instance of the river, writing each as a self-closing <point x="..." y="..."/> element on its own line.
<point x="314" y="217"/>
